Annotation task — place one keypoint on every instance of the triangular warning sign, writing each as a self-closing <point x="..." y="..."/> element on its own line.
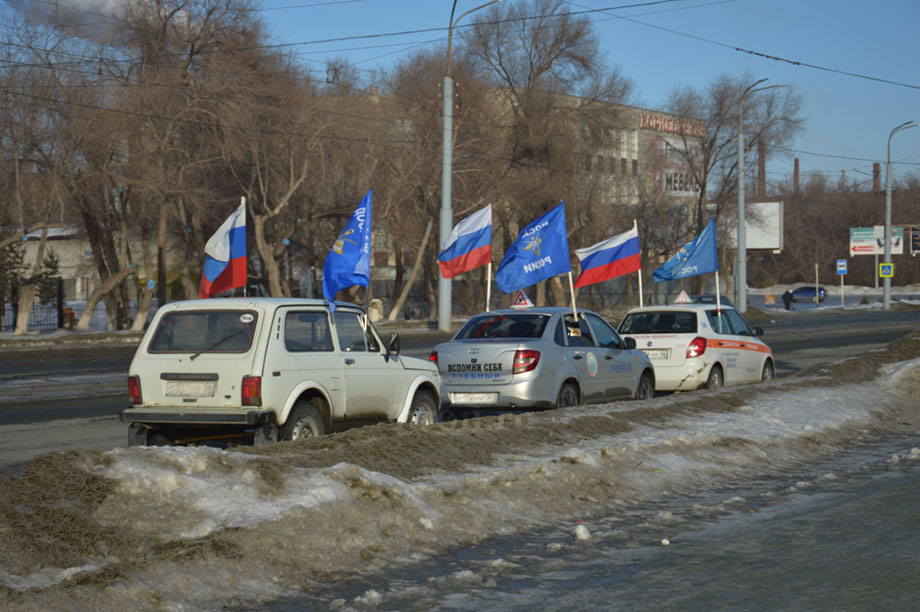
<point x="683" y="298"/>
<point x="521" y="300"/>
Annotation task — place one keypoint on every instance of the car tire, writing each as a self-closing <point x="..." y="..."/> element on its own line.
<point x="716" y="378"/>
<point x="424" y="410"/>
<point x="646" y="388"/>
<point x="568" y="396"/>
<point x="769" y="373"/>
<point x="305" y="421"/>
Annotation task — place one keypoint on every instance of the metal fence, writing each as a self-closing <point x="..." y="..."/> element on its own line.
<point x="48" y="317"/>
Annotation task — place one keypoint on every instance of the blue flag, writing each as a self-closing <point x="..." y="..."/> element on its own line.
<point x="349" y="260"/>
<point x="541" y="251"/>
<point x="696" y="257"/>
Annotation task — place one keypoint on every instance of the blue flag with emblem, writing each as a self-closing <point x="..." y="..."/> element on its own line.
<point x="696" y="257"/>
<point x="541" y="251"/>
<point x="349" y="260"/>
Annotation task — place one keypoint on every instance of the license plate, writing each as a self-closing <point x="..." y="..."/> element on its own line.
<point x="474" y="399"/>
<point x="190" y="388"/>
<point x="658" y="353"/>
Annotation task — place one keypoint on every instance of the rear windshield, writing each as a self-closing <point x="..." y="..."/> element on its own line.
<point x="487" y="325"/>
<point x="659" y="322"/>
<point x="203" y="331"/>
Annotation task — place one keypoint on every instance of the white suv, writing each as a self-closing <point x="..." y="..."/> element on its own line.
<point x="273" y="367"/>
<point x="697" y="345"/>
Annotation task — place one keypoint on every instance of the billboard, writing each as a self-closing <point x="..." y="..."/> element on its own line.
<point x="763" y="227"/>
<point x="871" y="240"/>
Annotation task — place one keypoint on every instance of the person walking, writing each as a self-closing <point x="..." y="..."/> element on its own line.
<point x="788" y="300"/>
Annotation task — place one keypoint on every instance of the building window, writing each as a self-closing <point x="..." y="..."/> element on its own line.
<point x="635" y="165"/>
<point x="613" y="165"/>
<point x="622" y="165"/>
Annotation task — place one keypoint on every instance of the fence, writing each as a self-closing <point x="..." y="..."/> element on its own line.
<point x="47" y="317"/>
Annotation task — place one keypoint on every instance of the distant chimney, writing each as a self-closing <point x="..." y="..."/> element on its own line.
<point x="795" y="181"/>
<point x="876" y="177"/>
<point x="762" y="179"/>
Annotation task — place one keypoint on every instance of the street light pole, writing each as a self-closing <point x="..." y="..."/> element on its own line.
<point x="445" y="298"/>
<point x="741" y="265"/>
<point x="886" y="303"/>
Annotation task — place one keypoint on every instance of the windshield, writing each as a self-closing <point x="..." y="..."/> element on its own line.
<point x="659" y="322"/>
<point x="490" y="325"/>
<point x="204" y="331"/>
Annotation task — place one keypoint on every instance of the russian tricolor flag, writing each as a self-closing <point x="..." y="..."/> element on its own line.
<point x="608" y="259"/>
<point x="469" y="244"/>
<point x="225" y="261"/>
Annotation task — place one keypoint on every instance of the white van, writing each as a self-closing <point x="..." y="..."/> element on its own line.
<point x="275" y="368"/>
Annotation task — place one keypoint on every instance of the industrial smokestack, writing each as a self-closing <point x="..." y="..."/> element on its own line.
<point x="876" y="177"/>
<point x="795" y="179"/>
<point x="762" y="169"/>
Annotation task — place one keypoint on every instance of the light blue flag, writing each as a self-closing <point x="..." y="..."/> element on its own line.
<point x="541" y="251"/>
<point x="698" y="256"/>
<point x="349" y="260"/>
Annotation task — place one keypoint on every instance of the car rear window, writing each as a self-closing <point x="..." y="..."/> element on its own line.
<point x="503" y="326"/>
<point x="659" y="322"/>
<point x="203" y="331"/>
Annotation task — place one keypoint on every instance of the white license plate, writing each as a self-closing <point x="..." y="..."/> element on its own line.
<point x="474" y="399"/>
<point x="190" y="388"/>
<point x="658" y="353"/>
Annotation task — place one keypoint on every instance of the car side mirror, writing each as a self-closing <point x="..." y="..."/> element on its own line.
<point x="630" y="343"/>
<point x="758" y="331"/>
<point x="393" y="344"/>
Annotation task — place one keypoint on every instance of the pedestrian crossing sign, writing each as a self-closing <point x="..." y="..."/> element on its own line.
<point x="521" y="300"/>
<point x="886" y="270"/>
<point x="683" y="298"/>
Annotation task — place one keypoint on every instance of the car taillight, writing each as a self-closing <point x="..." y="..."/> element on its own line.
<point x="525" y="361"/>
<point x="433" y="357"/>
<point x="697" y="347"/>
<point x="134" y="390"/>
<point x="252" y="391"/>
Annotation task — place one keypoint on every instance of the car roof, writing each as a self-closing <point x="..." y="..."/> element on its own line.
<point x="543" y="310"/>
<point x="677" y="307"/>
<point x="243" y="303"/>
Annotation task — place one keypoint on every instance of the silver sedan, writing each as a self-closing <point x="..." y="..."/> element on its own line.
<point x="539" y="358"/>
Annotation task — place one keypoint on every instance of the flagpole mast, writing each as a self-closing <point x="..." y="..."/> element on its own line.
<point x="639" y="271"/>
<point x="572" y="293"/>
<point x="245" y="284"/>
<point x="489" y="288"/>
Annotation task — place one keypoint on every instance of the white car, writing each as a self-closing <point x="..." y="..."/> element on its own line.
<point x="273" y="367"/>
<point x="696" y="346"/>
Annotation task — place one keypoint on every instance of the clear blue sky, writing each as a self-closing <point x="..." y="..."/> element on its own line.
<point x="847" y="116"/>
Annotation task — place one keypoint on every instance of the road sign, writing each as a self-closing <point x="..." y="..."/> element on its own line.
<point x="841" y="266"/>
<point x="886" y="270"/>
<point x="521" y="300"/>
<point x="683" y="298"/>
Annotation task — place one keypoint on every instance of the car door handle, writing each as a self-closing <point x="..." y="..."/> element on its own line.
<point x="349" y="361"/>
<point x="608" y="357"/>
<point x="578" y="356"/>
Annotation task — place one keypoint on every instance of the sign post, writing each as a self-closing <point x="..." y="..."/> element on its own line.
<point x="841" y="271"/>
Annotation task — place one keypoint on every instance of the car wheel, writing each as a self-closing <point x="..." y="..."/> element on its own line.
<point x="646" y="388"/>
<point x="768" y="372"/>
<point x="716" y="378"/>
<point x="305" y="421"/>
<point x="568" y="396"/>
<point x="424" y="409"/>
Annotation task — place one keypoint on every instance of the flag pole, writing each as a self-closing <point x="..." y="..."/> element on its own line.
<point x="639" y="271"/>
<point x="572" y="293"/>
<point x="489" y="288"/>
<point x="718" y="293"/>
<point x="246" y="283"/>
